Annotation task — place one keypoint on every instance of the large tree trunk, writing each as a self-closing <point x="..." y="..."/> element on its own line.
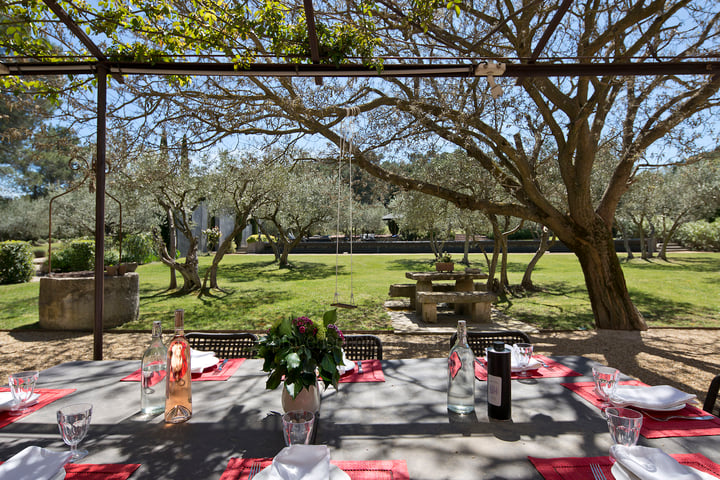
<point x="188" y="270"/>
<point x="609" y="296"/>
<point x="542" y="248"/>
<point x="287" y="248"/>
<point x="273" y="243"/>
<point x="211" y="273"/>
<point x="466" y="249"/>
<point x="172" y="233"/>
<point x="626" y="242"/>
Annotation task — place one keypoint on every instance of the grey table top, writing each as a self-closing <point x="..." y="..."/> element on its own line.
<point x="403" y="418"/>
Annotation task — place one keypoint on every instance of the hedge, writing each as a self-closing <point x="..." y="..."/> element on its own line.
<point x="77" y="256"/>
<point x="16" y="262"/>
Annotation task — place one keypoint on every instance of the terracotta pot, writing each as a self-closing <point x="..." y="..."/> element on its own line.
<point x="444" y="266"/>
<point x="123" y="268"/>
<point x="111" y="270"/>
<point x="308" y="399"/>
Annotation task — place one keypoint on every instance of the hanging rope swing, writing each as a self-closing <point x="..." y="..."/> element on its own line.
<point x="346" y="137"/>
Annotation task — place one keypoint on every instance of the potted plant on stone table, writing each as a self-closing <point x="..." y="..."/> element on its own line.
<point x="444" y="263"/>
<point x="298" y="352"/>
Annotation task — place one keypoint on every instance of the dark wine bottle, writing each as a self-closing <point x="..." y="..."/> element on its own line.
<point x="498" y="382"/>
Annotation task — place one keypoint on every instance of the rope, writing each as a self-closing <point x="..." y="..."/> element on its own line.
<point x="345" y="149"/>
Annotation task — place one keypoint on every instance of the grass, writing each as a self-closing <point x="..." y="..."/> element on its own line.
<point x="683" y="292"/>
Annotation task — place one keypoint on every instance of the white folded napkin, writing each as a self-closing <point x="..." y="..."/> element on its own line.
<point x="296" y="462"/>
<point x="346" y="366"/>
<point x="200" y="360"/>
<point x="658" y="397"/>
<point x="653" y="464"/>
<point x="34" y="463"/>
<point x="7" y="401"/>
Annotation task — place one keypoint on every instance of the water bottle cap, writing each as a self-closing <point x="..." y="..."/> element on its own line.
<point x="499" y="346"/>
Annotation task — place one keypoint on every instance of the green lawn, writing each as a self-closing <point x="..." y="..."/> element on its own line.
<point x="683" y="292"/>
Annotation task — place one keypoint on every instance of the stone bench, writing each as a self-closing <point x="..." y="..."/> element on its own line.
<point x="479" y="301"/>
<point x="408" y="290"/>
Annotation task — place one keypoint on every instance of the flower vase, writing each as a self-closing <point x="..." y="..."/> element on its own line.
<point x="444" y="266"/>
<point x="308" y="399"/>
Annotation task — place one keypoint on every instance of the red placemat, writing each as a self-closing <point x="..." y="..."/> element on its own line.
<point x="239" y="469"/>
<point x="47" y="395"/>
<point x="578" y="468"/>
<point x="553" y="369"/>
<point x="208" y="375"/>
<point x="652" y="428"/>
<point x="372" y="372"/>
<point x="89" y="471"/>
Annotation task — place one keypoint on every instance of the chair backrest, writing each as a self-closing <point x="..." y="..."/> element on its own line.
<point x="479" y="341"/>
<point x="363" y="347"/>
<point x="712" y="395"/>
<point x="225" y="345"/>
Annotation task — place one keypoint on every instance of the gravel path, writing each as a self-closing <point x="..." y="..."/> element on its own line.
<point x="684" y="358"/>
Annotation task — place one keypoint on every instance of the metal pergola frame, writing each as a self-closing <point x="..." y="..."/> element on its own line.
<point x="101" y="67"/>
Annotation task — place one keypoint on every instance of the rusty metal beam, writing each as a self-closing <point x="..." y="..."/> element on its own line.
<point x="79" y="33"/>
<point x="312" y="36"/>
<point x="562" y="10"/>
<point x="701" y="67"/>
<point x="101" y="126"/>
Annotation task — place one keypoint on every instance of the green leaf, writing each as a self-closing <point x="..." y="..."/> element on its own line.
<point x="285" y="327"/>
<point x="273" y="380"/>
<point x="328" y="362"/>
<point x="292" y="360"/>
<point x="330" y="317"/>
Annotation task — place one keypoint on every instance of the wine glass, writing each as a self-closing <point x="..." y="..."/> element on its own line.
<point x="525" y="351"/>
<point x="22" y="387"/>
<point x="73" y="421"/>
<point x="605" y="379"/>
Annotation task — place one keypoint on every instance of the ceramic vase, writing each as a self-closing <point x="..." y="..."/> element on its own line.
<point x="308" y="399"/>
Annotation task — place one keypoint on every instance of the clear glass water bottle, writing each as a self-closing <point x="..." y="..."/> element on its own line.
<point x="178" y="392"/>
<point x="461" y="374"/>
<point x="152" y="383"/>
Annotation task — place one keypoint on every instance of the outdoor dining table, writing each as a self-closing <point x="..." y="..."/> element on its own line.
<point x="403" y="418"/>
<point x="464" y="282"/>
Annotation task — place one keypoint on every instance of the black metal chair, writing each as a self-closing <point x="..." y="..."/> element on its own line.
<point x="225" y="345"/>
<point x="712" y="395"/>
<point x="479" y="341"/>
<point x="363" y="347"/>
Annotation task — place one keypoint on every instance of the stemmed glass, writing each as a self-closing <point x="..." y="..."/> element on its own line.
<point x="605" y="379"/>
<point x="525" y="351"/>
<point x="22" y="387"/>
<point x="73" y="421"/>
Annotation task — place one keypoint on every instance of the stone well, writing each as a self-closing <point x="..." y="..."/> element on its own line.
<point x="67" y="302"/>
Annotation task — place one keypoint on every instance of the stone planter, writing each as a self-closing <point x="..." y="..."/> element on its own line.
<point x="67" y="302"/>
<point x="444" y="266"/>
<point x="256" y="247"/>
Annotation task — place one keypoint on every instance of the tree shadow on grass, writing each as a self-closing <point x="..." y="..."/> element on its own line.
<point x="549" y="315"/>
<point x="692" y="264"/>
<point x="252" y="271"/>
<point x="656" y="308"/>
<point x="410" y="264"/>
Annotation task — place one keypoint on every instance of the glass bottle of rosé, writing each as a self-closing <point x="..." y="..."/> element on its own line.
<point x="178" y="394"/>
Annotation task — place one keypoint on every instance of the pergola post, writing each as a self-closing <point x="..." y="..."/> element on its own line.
<point x="102" y="72"/>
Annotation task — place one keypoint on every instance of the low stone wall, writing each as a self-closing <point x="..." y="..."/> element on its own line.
<point x="68" y="303"/>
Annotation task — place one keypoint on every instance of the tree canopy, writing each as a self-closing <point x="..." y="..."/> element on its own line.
<point x="540" y="124"/>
